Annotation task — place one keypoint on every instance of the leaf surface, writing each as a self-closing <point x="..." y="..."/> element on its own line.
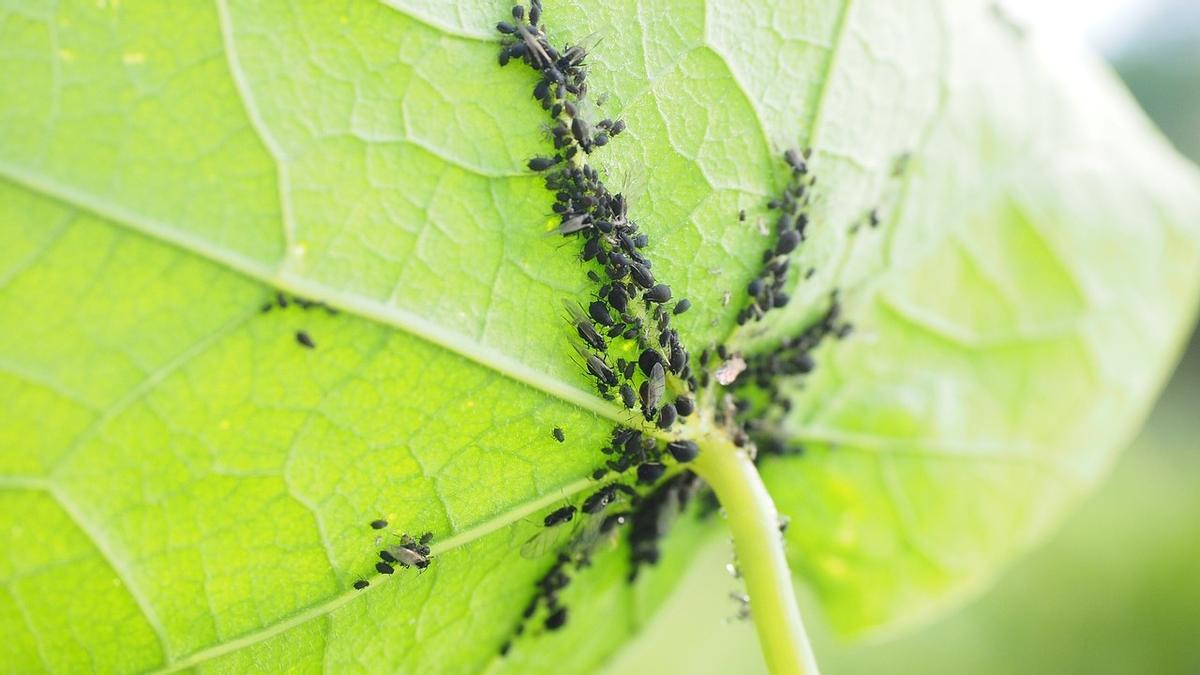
<point x="186" y="485"/>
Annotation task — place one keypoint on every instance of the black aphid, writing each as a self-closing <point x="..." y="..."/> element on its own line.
<point x="304" y="339"/>
<point x="387" y="557"/>
<point x="648" y="359"/>
<point x="641" y="275"/>
<point x="683" y="451"/>
<point x="788" y="241"/>
<point x="378" y="524"/>
<point x="556" y="619"/>
<point x="542" y="163"/>
<point x="559" y="516"/>
<point x="682" y="306"/>
<point x="684" y="406"/>
<point x="650" y="472"/>
<point x="596" y="502"/>
<point x="599" y="313"/>
<point x="361" y="584"/>
<point x="558" y="435"/>
<point x="601" y="371"/>
<point x="384" y="568"/>
<point x="666" y="416"/>
<point x="660" y="293"/>
<point x="628" y="397"/>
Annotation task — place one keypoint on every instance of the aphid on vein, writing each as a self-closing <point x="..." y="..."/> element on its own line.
<point x="683" y="451"/>
<point x="409" y="553"/>
<point x="584" y="327"/>
<point x="553" y="536"/>
<point x="304" y="339"/>
<point x="361" y="584"/>
<point x="560" y="516"/>
<point x="557" y="619"/>
<point x="597" y="368"/>
<point x="384" y="568"/>
<point x="558" y="435"/>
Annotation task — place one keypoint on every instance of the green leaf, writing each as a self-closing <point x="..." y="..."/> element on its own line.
<point x="185" y="485"/>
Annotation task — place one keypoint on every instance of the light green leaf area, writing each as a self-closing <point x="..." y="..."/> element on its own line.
<point x="185" y="486"/>
<point x="1037" y="275"/>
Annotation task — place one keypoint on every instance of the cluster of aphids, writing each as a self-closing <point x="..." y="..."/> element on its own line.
<point x="631" y="304"/>
<point x="793" y="357"/>
<point x="586" y="528"/>
<point x="655" y="516"/>
<point x="631" y="448"/>
<point x="283" y="302"/>
<point x="408" y="552"/>
<point x="766" y="291"/>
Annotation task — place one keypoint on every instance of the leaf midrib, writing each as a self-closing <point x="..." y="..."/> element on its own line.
<point x="279" y="277"/>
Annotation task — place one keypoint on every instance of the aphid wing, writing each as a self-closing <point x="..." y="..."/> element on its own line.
<point x="546" y="541"/>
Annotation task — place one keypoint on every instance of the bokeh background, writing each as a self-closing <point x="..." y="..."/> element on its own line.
<point x="1117" y="590"/>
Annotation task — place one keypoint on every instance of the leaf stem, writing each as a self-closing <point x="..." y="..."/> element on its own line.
<point x="754" y="524"/>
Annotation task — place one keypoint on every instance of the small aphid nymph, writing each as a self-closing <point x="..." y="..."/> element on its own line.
<point x="558" y="435"/>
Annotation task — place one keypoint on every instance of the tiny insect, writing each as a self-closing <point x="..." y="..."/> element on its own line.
<point x="598" y="369"/>
<point x="361" y="584"/>
<point x="660" y="293"/>
<point x="599" y="313"/>
<point x="655" y="386"/>
<point x="559" y="516"/>
<point x="384" y="568"/>
<point x="304" y="339"/>
<point x="542" y="163"/>
<point x="558" y="435"/>
<point x="650" y="472"/>
<point x="627" y="396"/>
<point x="409" y="558"/>
<point x="742" y="215"/>
<point x="666" y="416"/>
<point x="787" y="242"/>
<point x="683" y="451"/>
<point x="378" y="524"/>
<point x="556" y="619"/>
<point x="641" y="275"/>
<point x="682" y="306"/>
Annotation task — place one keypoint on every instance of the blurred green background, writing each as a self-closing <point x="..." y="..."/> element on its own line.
<point x="1117" y="589"/>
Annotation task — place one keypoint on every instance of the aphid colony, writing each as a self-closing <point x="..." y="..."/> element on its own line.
<point x="631" y="304"/>
<point x="766" y="290"/>
<point x="283" y="302"/>
<point x="408" y="552"/>
<point x="649" y="518"/>
<point x="793" y="357"/>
